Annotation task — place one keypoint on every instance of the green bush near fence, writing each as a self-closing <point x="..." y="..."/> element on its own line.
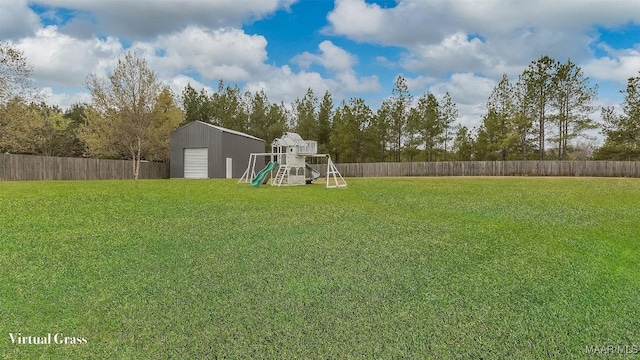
<point x="385" y="268"/>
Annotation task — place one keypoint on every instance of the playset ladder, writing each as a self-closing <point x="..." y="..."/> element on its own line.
<point x="283" y="172"/>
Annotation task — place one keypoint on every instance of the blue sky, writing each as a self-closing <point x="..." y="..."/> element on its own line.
<point x="352" y="48"/>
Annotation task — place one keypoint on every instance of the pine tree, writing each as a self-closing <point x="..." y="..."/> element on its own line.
<point x="258" y="109"/>
<point x="463" y="144"/>
<point x="572" y="100"/>
<point x="380" y="133"/>
<point x="306" y="116"/>
<point x="229" y="108"/>
<point x="499" y="123"/>
<point x="622" y="131"/>
<point x="350" y="128"/>
<point x="448" y="115"/>
<point x="400" y="106"/>
<point x="196" y="105"/>
<point x="324" y="123"/>
<point x="538" y="78"/>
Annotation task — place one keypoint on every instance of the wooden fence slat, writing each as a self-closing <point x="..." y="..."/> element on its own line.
<point x="30" y="167"/>
<point x="15" y="167"/>
<point x="494" y="168"/>
<point x="3" y="174"/>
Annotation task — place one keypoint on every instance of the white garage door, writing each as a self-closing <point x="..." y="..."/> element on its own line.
<point x="195" y="163"/>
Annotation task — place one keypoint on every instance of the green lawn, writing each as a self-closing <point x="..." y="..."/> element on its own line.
<point x="385" y="268"/>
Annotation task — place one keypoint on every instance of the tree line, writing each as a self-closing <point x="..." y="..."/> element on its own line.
<point x="545" y="114"/>
<point x="540" y="116"/>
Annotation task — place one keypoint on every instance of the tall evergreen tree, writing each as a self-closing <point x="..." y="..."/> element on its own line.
<point x="572" y="100"/>
<point x="196" y="105"/>
<point x="350" y="128"/>
<point x="400" y="106"/>
<point x="463" y="144"/>
<point x="497" y="132"/>
<point x="306" y="116"/>
<point x="324" y="123"/>
<point x="622" y="131"/>
<point x="276" y="123"/>
<point x="448" y="115"/>
<point x="258" y="109"/>
<point x="229" y="108"/>
<point x="425" y="121"/>
<point x="380" y="133"/>
<point x="523" y="118"/>
<point x="538" y="78"/>
<point x="500" y="122"/>
<point x="481" y="146"/>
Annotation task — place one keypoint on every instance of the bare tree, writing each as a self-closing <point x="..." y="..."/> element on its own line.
<point x="15" y="81"/>
<point x="122" y="115"/>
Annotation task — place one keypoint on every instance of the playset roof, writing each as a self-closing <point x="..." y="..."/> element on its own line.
<point x="289" y="139"/>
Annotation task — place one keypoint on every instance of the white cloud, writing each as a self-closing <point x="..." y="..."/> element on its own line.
<point x="466" y="87"/>
<point x="618" y="66"/>
<point x="195" y="55"/>
<point x="17" y="20"/>
<point x="469" y="92"/>
<point x="348" y="82"/>
<point x="227" y="54"/>
<point x="66" y="99"/>
<point x="331" y="57"/>
<point x="60" y="60"/>
<point x="385" y="62"/>
<point x="340" y="63"/>
<point x="460" y="46"/>
<point x="419" y="83"/>
<point x="281" y="84"/>
<point x="413" y="22"/>
<point x="455" y="53"/>
<point x="179" y="82"/>
<point x="492" y="36"/>
<point x="357" y="19"/>
<point x="147" y="18"/>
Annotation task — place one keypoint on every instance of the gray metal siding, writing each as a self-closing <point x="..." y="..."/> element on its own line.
<point x="238" y="148"/>
<point x="216" y="162"/>
<point x="221" y="145"/>
<point x="176" y="161"/>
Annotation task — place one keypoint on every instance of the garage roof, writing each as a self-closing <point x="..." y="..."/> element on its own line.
<point x="220" y="128"/>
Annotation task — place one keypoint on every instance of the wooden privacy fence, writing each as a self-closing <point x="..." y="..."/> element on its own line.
<point x="30" y="167"/>
<point x="491" y="168"/>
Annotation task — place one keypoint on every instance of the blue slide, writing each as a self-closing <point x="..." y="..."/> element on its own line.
<point x="257" y="181"/>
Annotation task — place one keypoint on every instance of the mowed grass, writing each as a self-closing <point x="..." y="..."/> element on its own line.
<point x="386" y="268"/>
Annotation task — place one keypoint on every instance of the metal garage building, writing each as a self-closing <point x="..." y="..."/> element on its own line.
<point x="200" y="150"/>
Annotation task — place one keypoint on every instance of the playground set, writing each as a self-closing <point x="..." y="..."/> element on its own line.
<point x="288" y="165"/>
